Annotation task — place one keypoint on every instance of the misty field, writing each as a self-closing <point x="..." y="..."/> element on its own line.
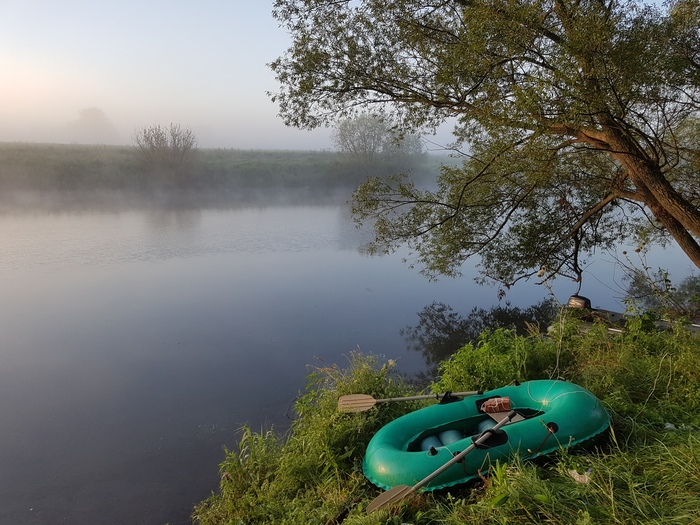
<point x="88" y="172"/>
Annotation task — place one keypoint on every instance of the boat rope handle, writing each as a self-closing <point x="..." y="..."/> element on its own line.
<point x="552" y="427"/>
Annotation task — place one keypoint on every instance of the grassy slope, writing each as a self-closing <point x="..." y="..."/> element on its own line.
<point x="642" y="474"/>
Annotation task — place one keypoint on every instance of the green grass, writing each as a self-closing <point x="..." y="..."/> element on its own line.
<point x="60" y="167"/>
<point x="75" y="167"/>
<point x="644" y="473"/>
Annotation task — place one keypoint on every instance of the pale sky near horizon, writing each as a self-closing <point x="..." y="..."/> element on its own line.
<point x="200" y="64"/>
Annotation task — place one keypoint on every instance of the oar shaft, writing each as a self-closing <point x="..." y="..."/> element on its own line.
<point x="428" y="396"/>
<point x="482" y="438"/>
<point x="401" y="492"/>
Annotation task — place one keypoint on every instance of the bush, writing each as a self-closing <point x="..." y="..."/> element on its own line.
<point x="641" y="375"/>
<point x="169" y="150"/>
<point x="498" y="358"/>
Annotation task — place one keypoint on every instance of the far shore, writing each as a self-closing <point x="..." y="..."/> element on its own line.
<point x="98" y="175"/>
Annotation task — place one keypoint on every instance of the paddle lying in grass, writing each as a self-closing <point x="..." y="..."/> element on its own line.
<point x="401" y="492"/>
<point x="363" y="402"/>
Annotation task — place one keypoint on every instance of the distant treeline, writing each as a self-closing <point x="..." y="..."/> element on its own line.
<point x="72" y="167"/>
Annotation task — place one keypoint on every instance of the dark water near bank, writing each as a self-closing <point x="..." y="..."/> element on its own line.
<point x="134" y="344"/>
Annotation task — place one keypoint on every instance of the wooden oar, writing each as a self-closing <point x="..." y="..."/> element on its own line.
<point x="362" y="402"/>
<point x="401" y="492"/>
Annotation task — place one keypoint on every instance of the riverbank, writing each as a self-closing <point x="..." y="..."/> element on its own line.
<point x="77" y="167"/>
<point x="60" y="177"/>
<point x="646" y="471"/>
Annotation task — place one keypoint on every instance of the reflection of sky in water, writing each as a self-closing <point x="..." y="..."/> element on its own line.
<point x="89" y="239"/>
<point x="134" y="345"/>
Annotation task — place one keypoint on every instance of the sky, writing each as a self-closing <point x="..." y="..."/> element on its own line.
<point x="200" y="64"/>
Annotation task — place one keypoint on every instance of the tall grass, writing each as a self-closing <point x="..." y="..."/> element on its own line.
<point x="648" y="471"/>
<point x="71" y="167"/>
<point x="61" y="167"/>
<point x="315" y="473"/>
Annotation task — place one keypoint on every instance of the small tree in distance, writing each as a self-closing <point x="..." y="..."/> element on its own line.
<point x="168" y="149"/>
<point x="370" y="139"/>
<point x="92" y="127"/>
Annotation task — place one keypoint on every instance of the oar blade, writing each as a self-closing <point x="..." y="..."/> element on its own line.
<point x="389" y="497"/>
<point x="356" y="403"/>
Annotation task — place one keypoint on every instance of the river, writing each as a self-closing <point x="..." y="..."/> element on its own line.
<point x="134" y="344"/>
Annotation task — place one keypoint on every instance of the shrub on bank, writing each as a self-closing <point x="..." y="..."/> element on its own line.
<point x="648" y="471"/>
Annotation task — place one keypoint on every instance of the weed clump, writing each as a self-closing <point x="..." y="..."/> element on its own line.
<point x="648" y="470"/>
<point x="314" y="473"/>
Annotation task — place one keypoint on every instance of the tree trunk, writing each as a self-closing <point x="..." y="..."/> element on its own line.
<point x="680" y="218"/>
<point x="646" y="173"/>
<point x="685" y="240"/>
<point x="650" y="177"/>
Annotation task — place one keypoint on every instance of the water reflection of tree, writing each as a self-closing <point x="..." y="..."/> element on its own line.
<point x="441" y="331"/>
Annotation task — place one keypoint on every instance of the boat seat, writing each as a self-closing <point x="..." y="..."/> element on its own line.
<point x="498" y="408"/>
<point x="500" y="416"/>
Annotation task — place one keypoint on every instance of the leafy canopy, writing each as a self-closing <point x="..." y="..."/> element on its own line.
<point x="580" y="119"/>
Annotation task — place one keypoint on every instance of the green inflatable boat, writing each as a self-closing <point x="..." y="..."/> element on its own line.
<point x="551" y="415"/>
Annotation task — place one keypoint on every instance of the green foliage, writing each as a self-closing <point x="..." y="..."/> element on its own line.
<point x="643" y="375"/>
<point x="648" y="472"/>
<point x="372" y="140"/>
<point x="52" y="167"/>
<point x="497" y="359"/>
<point x="441" y="331"/>
<point x="655" y="483"/>
<point x="578" y="122"/>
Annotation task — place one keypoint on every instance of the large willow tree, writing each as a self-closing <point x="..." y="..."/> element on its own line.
<point x="579" y="120"/>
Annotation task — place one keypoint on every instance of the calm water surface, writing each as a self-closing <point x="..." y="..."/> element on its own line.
<point x="134" y="345"/>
